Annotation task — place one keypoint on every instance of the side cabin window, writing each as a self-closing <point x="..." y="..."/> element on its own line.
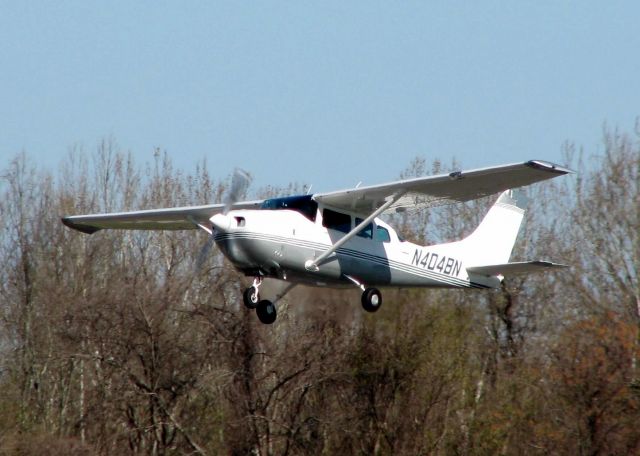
<point x="336" y="220"/>
<point x="303" y="204"/>
<point x="367" y="231"/>
<point x="382" y="234"/>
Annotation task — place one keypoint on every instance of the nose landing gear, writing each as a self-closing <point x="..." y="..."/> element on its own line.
<point x="251" y="296"/>
<point x="265" y="309"/>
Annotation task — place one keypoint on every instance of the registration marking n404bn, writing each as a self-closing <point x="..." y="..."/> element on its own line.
<point x="434" y="262"/>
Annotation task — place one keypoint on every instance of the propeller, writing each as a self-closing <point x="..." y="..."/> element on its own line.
<point x="239" y="184"/>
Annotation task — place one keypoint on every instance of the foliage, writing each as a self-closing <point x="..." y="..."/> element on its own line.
<point x="114" y="343"/>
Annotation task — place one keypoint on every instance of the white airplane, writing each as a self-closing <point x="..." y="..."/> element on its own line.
<point x="336" y="239"/>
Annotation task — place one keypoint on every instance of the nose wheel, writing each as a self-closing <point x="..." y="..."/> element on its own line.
<point x="251" y="298"/>
<point x="251" y="295"/>
<point x="265" y="309"/>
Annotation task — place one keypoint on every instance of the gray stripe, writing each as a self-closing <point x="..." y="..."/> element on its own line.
<point x="391" y="264"/>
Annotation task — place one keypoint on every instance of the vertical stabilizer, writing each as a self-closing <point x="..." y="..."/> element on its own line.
<point x="493" y="240"/>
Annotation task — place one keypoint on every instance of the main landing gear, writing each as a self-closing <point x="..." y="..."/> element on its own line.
<point x="266" y="310"/>
<point x="371" y="297"/>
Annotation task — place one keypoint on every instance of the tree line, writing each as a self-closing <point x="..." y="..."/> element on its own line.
<point x="116" y="343"/>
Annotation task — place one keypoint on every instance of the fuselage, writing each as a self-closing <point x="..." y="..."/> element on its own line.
<point x="276" y="240"/>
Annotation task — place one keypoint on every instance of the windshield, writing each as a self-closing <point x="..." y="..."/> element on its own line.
<point x="303" y="204"/>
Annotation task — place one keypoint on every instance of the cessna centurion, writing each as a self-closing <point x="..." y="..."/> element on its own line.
<point x="336" y="238"/>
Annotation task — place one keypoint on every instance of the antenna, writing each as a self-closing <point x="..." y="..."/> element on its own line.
<point x="309" y="189"/>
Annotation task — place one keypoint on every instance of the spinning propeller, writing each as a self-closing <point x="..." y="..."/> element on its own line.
<point x="239" y="184"/>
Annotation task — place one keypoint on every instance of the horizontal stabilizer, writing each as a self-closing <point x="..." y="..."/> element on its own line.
<point x="506" y="269"/>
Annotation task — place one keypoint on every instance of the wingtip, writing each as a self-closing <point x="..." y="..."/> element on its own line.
<point x="82" y="228"/>
<point x="549" y="166"/>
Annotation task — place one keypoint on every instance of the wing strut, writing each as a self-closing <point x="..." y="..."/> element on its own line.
<point x="312" y="265"/>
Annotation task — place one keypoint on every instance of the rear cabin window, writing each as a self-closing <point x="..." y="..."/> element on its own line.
<point x="336" y="220"/>
<point x="367" y="231"/>
<point x="382" y="234"/>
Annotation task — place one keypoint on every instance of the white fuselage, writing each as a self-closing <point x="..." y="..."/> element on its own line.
<point x="277" y="243"/>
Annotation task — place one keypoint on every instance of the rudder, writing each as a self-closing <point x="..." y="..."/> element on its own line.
<point x="493" y="240"/>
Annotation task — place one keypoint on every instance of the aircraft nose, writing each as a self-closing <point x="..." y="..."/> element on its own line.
<point x="221" y="222"/>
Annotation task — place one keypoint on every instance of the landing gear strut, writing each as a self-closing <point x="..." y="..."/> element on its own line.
<point x="265" y="309"/>
<point x="371" y="297"/>
<point x="251" y="296"/>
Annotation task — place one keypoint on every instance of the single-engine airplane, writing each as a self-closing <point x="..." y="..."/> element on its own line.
<point x="336" y="238"/>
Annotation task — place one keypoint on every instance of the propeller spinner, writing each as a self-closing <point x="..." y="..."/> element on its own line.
<point x="239" y="184"/>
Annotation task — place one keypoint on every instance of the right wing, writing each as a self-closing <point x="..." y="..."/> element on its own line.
<point x="175" y="218"/>
<point x="431" y="191"/>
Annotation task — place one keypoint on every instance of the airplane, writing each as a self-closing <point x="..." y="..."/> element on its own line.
<point x="337" y="239"/>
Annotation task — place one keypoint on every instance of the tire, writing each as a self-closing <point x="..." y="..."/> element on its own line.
<point x="250" y="297"/>
<point x="266" y="312"/>
<point x="371" y="299"/>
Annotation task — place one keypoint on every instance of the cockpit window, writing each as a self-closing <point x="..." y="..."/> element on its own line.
<point x="367" y="231"/>
<point x="303" y="204"/>
<point x="336" y="220"/>
<point x="382" y="234"/>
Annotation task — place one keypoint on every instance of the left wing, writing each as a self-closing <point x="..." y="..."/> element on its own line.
<point x="442" y="189"/>
<point x="175" y="218"/>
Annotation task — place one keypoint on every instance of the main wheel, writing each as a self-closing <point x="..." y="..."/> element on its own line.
<point x="250" y="297"/>
<point x="371" y="299"/>
<point x="266" y="312"/>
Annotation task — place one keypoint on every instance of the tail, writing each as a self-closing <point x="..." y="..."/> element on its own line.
<point x="493" y="240"/>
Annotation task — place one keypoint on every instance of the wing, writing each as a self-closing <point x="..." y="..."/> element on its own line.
<point x="176" y="218"/>
<point x="442" y="189"/>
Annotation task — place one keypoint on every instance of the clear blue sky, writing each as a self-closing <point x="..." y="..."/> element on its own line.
<point x="329" y="93"/>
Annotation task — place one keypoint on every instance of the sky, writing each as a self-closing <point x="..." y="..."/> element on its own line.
<point x="324" y="93"/>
